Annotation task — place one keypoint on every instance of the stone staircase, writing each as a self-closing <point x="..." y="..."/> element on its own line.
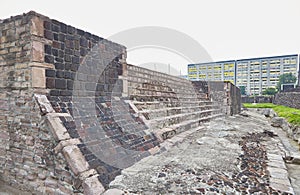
<point x="171" y="109"/>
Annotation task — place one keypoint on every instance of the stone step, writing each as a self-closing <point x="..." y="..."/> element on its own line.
<point x="163" y="122"/>
<point x="185" y="89"/>
<point x="152" y="105"/>
<point x="164" y="112"/>
<point x="170" y="131"/>
<point x="169" y="95"/>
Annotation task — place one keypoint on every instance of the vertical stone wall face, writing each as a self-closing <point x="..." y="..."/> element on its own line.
<point x="85" y="84"/>
<point x="257" y="99"/>
<point x="26" y="145"/>
<point x="224" y="95"/>
<point x="235" y="99"/>
<point x="290" y="99"/>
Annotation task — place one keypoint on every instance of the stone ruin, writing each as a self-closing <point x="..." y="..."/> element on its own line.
<point x="73" y="113"/>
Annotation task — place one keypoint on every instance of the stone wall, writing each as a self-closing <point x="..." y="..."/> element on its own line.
<point x="64" y="125"/>
<point x="26" y="144"/>
<point x="69" y="123"/>
<point x="168" y="105"/>
<point x="85" y="84"/>
<point x="290" y="99"/>
<point x="224" y="95"/>
<point x="257" y="99"/>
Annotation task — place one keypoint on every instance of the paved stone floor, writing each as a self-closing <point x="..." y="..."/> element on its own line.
<point x="232" y="155"/>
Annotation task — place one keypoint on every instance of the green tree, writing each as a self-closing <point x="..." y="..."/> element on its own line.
<point x="243" y="90"/>
<point x="269" y="91"/>
<point x="286" y="78"/>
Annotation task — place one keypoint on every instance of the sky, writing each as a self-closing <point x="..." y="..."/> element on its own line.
<point x="213" y="30"/>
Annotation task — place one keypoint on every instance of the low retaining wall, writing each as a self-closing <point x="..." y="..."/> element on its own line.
<point x="257" y="99"/>
<point x="290" y="99"/>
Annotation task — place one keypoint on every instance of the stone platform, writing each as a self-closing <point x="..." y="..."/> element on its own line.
<point x="227" y="156"/>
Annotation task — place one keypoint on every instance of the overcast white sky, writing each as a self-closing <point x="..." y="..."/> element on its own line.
<point x="227" y="29"/>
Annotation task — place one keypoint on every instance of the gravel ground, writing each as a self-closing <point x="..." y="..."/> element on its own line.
<point x="228" y="157"/>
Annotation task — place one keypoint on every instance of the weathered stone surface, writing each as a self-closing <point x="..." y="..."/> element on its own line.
<point x="75" y="159"/>
<point x="113" y="192"/>
<point x="277" y="121"/>
<point x="267" y="112"/>
<point x="44" y="104"/>
<point x="64" y="143"/>
<point x="290" y="99"/>
<point x="37" y="27"/>
<point x="38" y="78"/>
<point x="231" y="158"/>
<point x="57" y="128"/>
<point x="37" y="51"/>
<point x="87" y="174"/>
<point x="92" y="186"/>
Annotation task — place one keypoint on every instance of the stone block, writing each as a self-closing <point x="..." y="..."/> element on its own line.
<point x="77" y="162"/>
<point x="60" y="84"/>
<point x="92" y="186"/>
<point x="38" y="78"/>
<point x="87" y="174"/>
<point x="58" y="130"/>
<point x="113" y="192"/>
<point x="37" y="51"/>
<point x="50" y="83"/>
<point x="44" y="104"/>
<point x="37" y="27"/>
<point x="277" y="121"/>
<point x="65" y="143"/>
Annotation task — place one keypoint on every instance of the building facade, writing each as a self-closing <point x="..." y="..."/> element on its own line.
<point x="254" y="74"/>
<point x="212" y="71"/>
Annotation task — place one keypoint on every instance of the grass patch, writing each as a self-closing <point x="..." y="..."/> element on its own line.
<point x="292" y="115"/>
<point x="259" y="105"/>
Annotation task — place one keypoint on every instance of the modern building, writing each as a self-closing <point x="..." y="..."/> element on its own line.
<point x="212" y="71"/>
<point x="254" y="74"/>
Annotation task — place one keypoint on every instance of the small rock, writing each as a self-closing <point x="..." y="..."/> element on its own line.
<point x="244" y="114"/>
<point x="277" y="121"/>
<point x="161" y="175"/>
<point x="113" y="192"/>
<point x="266" y="112"/>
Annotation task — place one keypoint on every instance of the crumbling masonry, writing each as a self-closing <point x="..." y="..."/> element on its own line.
<point x="73" y="114"/>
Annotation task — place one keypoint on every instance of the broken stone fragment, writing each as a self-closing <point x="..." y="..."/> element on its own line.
<point x="277" y="121"/>
<point x="266" y="112"/>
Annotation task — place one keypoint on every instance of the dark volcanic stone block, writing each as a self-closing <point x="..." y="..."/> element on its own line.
<point x="55" y="36"/>
<point x="65" y="93"/>
<point x="50" y="73"/>
<point x="70" y="84"/>
<point x="48" y="34"/>
<point x="55" y="28"/>
<point x="47" y="25"/>
<point x="60" y="74"/>
<point x="61" y="37"/>
<point x="75" y="60"/>
<point x="48" y="49"/>
<point x="59" y="66"/>
<point x="49" y="59"/>
<point x="50" y="83"/>
<point x="54" y="93"/>
<point x="60" y="84"/>
<point x="63" y="28"/>
<point x="83" y="42"/>
<point x="55" y="52"/>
